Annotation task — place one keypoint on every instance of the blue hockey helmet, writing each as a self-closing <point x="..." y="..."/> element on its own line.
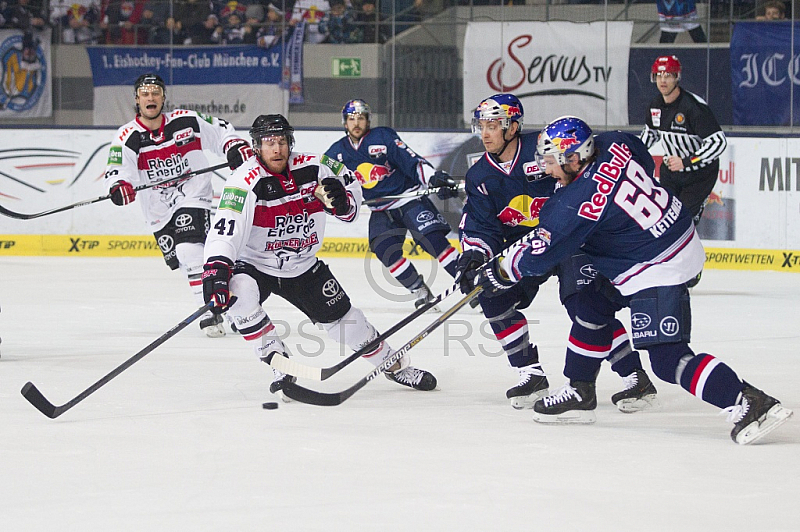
<point x="504" y="107"/>
<point x="355" y="108"/>
<point x="563" y="136"/>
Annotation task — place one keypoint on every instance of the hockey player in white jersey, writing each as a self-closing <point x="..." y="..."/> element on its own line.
<point x="155" y="146"/>
<point x="264" y="239"/>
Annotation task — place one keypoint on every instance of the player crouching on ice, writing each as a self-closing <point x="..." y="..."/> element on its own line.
<point x="641" y="238"/>
<point x="264" y="239"/>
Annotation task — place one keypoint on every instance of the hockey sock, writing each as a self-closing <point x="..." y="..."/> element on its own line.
<point x="587" y="346"/>
<point x="355" y="331"/>
<point x="710" y="379"/>
<point x="436" y="245"/>
<point x="623" y="358"/>
<point x="190" y="259"/>
<point x="390" y="252"/>
<point x="511" y="330"/>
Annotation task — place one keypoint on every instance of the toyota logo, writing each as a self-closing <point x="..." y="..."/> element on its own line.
<point x="330" y="288"/>
<point x="165" y="243"/>
<point x="640" y="321"/>
<point x="182" y="220"/>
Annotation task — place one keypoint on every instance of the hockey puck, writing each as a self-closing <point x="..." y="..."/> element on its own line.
<point x="269" y="406"/>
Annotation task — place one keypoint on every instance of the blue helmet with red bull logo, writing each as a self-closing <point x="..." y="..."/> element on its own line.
<point x="355" y="108"/>
<point x="504" y="108"/>
<point x="563" y="136"/>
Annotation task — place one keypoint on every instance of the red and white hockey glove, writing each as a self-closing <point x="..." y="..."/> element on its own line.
<point x="122" y="193"/>
<point x="238" y="152"/>
<point x="216" y="279"/>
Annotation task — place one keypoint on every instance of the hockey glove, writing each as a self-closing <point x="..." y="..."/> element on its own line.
<point x="216" y="279"/>
<point x="469" y="263"/>
<point x="238" y="152"/>
<point x="447" y="186"/>
<point x="493" y="279"/>
<point x="337" y="196"/>
<point x="122" y="193"/>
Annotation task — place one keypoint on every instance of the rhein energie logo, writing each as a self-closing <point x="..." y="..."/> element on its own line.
<point x="24" y="71"/>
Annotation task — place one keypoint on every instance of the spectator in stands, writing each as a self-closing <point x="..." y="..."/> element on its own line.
<point x="121" y="22"/>
<point x="340" y="24"/>
<point x="677" y="17"/>
<point x="311" y="12"/>
<point x="197" y="19"/>
<point x="162" y="28"/>
<point x="427" y="8"/>
<point x="253" y="20"/>
<point x="273" y="28"/>
<point x="24" y="15"/>
<point x="774" y="10"/>
<point x="231" y="31"/>
<point x="370" y="23"/>
<point x="77" y="20"/>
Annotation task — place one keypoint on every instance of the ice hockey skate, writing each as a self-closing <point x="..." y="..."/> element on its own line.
<point x="532" y="386"/>
<point x="573" y="403"/>
<point x="424" y="296"/>
<point x="639" y="393"/>
<point x="419" y="379"/>
<point x="755" y="415"/>
<point x="212" y="326"/>
<point x="276" y="386"/>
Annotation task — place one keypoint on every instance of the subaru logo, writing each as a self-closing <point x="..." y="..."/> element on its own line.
<point x="589" y="271"/>
<point x="640" y="321"/>
<point x="165" y="243"/>
<point x="425" y="216"/>
<point x="182" y="220"/>
<point x="330" y="288"/>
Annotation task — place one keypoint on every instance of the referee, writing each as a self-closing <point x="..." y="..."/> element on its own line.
<point x="689" y="133"/>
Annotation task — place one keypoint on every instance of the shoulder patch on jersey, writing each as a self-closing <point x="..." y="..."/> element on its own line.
<point x="332" y="164"/>
<point x="209" y="119"/>
<point x="232" y="199"/>
<point x="115" y="155"/>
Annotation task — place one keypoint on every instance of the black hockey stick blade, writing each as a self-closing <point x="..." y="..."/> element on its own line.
<point x="304" y="395"/>
<point x="293" y="367"/>
<point x="35" y="397"/>
<point x="24" y="216"/>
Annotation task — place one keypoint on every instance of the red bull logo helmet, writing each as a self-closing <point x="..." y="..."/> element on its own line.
<point x="505" y="108"/>
<point x="355" y="108"/>
<point x="563" y="136"/>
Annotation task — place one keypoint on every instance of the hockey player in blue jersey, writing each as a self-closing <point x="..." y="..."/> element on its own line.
<point x="641" y="237"/>
<point x="505" y="191"/>
<point x="386" y="166"/>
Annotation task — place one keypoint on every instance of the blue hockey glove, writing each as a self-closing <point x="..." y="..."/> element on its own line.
<point x="467" y="267"/>
<point x="493" y="279"/>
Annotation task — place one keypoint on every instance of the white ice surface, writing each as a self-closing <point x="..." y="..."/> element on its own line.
<point x="179" y="441"/>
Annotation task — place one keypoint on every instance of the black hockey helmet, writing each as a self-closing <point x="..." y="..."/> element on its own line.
<point x="149" y="79"/>
<point x="271" y="126"/>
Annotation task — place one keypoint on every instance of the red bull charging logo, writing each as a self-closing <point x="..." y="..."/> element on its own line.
<point x="369" y="174"/>
<point x="522" y="210"/>
<point x="565" y="143"/>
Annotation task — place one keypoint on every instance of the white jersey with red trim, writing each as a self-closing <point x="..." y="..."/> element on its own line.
<point x="141" y="156"/>
<point x="275" y="222"/>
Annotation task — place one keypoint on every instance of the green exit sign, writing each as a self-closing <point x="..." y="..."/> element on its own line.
<point x="346" y="67"/>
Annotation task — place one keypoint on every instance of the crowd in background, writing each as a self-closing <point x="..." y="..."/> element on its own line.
<point x="261" y="22"/>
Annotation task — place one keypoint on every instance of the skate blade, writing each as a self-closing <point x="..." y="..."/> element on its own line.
<point x="775" y="417"/>
<point x="523" y="402"/>
<point x="574" y="417"/>
<point x="214" y="331"/>
<point x="629" y="406"/>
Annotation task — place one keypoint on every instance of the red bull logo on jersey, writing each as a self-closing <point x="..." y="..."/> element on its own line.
<point x="369" y="175"/>
<point x="522" y="210"/>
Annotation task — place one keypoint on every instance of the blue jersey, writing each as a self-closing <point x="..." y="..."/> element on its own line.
<point x="637" y="233"/>
<point x="383" y="164"/>
<point x="503" y="199"/>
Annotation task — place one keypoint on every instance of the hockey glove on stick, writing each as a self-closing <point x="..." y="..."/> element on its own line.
<point x="238" y="152"/>
<point x="122" y="193"/>
<point x="336" y="196"/>
<point x="216" y="279"/>
<point x="469" y="263"/>
<point x="493" y="279"/>
<point x="447" y="186"/>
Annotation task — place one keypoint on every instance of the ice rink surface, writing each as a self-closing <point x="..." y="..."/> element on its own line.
<point x="179" y="441"/>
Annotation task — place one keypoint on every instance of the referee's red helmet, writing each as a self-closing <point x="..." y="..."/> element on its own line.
<point x="665" y="64"/>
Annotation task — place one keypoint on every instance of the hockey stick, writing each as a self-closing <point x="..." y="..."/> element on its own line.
<point x="312" y="397"/>
<point x="23" y="216"/>
<point x="35" y="397"/>
<point x="292" y="367"/>
<point x="416" y="194"/>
